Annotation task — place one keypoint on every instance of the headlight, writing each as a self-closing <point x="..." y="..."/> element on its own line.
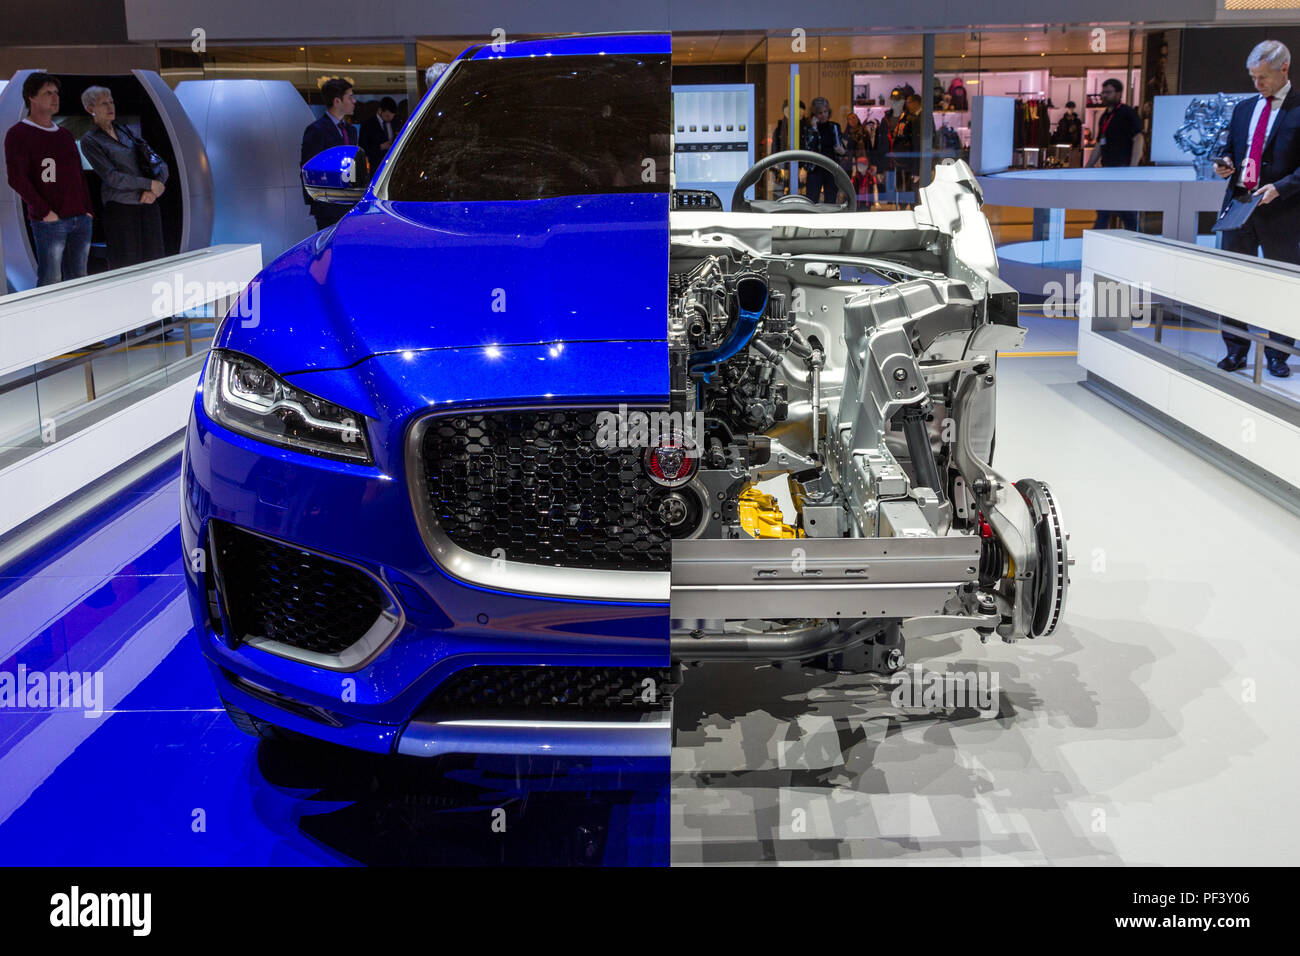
<point x="247" y="397"/>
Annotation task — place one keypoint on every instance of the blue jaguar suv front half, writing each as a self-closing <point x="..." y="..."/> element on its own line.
<point x="402" y="534"/>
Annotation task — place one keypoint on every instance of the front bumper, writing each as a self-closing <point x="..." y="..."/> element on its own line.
<point x="647" y="736"/>
<point x="362" y="516"/>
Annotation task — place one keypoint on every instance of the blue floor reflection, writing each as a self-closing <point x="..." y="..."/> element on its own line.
<point x="163" y="777"/>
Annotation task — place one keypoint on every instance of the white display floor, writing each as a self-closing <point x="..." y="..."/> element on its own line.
<point x="1154" y="727"/>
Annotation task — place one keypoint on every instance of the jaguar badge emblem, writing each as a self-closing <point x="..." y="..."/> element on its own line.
<point x="672" y="463"/>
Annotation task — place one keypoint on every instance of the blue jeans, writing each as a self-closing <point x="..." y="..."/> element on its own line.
<point x="62" y="248"/>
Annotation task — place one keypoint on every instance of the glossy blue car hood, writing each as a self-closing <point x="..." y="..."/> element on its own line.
<point x="395" y="277"/>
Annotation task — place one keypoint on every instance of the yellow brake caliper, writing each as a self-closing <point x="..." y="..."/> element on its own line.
<point x="761" y="516"/>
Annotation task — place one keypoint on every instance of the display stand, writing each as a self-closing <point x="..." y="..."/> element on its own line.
<point x="1249" y="427"/>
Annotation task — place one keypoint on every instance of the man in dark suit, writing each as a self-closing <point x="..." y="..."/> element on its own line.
<point x="1262" y="159"/>
<point x="378" y="132"/>
<point x="327" y="132"/>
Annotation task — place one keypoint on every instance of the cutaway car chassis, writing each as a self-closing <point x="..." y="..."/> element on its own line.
<point x="855" y="356"/>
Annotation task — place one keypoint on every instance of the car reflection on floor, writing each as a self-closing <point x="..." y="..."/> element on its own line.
<point x="476" y="810"/>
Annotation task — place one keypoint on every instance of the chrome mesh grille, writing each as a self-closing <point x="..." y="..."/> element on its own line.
<point x="532" y="486"/>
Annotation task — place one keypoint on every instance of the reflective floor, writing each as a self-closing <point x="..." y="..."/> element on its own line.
<point x="1153" y="727"/>
<point x="163" y="777"/>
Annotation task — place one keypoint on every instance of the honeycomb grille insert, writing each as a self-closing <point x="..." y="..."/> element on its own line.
<point x="532" y="486"/>
<point x="557" y="692"/>
<point x="290" y="596"/>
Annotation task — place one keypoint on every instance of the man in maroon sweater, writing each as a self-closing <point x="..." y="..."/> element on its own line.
<point x="45" y="169"/>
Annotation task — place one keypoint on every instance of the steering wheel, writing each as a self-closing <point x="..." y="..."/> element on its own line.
<point x="794" y="202"/>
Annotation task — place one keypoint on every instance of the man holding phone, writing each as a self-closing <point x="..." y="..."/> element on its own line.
<point x="1262" y="160"/>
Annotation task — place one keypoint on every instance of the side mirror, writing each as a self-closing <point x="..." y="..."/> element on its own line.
<point x="338" y="175"/>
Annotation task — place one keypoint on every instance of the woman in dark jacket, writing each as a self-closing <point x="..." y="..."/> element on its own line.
<point x="132" y="223"/>
<point x="875" y="146"/>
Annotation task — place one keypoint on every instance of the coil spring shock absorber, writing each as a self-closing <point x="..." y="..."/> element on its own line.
<point x="993" y="557"/>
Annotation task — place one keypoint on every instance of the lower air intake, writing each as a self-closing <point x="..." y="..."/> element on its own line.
<point x="555" y="692"/>
<point x="295" y="598"/>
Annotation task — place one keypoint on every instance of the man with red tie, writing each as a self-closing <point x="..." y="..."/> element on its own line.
<point x="1262" y="158"/>
<point x="331" y="130"/>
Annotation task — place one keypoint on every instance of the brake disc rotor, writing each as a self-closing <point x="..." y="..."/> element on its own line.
<point x="1053" y="555"/>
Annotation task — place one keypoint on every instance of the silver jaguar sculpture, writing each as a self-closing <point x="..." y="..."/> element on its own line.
<point x="1204" y="129"/>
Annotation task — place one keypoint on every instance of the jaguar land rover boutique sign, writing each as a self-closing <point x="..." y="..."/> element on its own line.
<point x="882" y="64"/>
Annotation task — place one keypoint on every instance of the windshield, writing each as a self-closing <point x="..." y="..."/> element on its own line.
<point x="538" y="127"/>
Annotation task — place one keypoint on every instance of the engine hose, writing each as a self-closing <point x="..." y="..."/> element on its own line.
<point x="918" y="449"/>
<point x="751" y="301"/>
<point x="798" y="346"/>
<point x="765" y="350"/>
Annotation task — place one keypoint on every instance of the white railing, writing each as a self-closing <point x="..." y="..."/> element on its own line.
<point x="1259" y="425"/>
<point x="49" y="323"/>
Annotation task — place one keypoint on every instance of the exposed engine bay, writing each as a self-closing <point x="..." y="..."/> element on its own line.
<point x="855" y="371"/>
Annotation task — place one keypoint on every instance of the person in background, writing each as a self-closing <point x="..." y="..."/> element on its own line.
<point x="854" y="142"/>
<point x="329" y="131"/>
<point x="1119" y="143"/>
<point x="829" y="141"/>
<point x="432" y="74"/>
<point x="875" y="143"/>
<point x="378" y="132"/>
<point x="132" y="223"/>
<point x="780" y="141"/>
<point x="897" y="108"/>
<point x="1069" y="132"/>
<point x="44" y="168"/>
<point x="865" y="183"/>
<point x="779" y="136"/>
<point x="957" y="98"/>
<point x="905" y="144"/>
<point x="1262" y="159"/>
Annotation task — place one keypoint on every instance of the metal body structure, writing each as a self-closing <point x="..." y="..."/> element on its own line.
<point x="407" y="527"/>
<point x="869" y="387"/>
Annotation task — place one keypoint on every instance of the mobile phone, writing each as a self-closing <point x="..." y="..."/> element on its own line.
<point x="1224" y="161"/>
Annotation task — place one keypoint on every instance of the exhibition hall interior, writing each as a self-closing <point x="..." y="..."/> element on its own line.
<point x="486" y="436"/>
